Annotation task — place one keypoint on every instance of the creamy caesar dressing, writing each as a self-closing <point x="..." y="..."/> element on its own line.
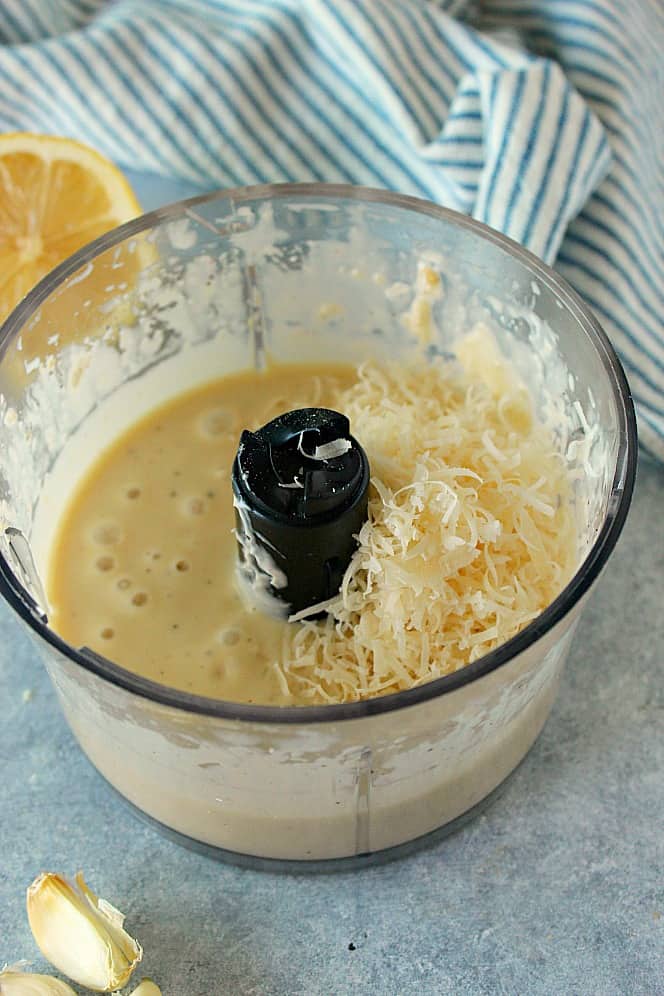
<point x="470" y="535"/>
<point x="143" y="569"/>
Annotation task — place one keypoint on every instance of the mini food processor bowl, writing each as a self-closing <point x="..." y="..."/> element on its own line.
<point x="297" y="272"/>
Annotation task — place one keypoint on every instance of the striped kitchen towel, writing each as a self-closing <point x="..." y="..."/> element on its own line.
<point x="542" y="118"/>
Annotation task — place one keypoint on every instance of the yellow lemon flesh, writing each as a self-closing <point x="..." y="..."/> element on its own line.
<point x="56" y="195"/>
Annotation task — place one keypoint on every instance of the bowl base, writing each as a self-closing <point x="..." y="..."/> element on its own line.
<point x="323" y="866"/>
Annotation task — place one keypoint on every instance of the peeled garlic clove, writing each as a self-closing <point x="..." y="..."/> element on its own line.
<point x="26" y="984"/>
<point x="147" y="988"/>
<point x="81" y="934"/>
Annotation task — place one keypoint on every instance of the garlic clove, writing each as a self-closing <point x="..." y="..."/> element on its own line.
<point x="147" y="988"/>
<point x="81" y="934"/>
<point x="13" y="983"/>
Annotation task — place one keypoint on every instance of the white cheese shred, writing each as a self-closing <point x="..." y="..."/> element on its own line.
<point x="470" y="534"/>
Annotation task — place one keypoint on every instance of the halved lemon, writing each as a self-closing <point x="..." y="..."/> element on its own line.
<point x="56" y="194"/>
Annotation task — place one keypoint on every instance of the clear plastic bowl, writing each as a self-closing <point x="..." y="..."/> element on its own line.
<point x="300" y="272"/>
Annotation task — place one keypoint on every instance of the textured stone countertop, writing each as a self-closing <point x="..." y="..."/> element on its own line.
<point x="558" y="888"/>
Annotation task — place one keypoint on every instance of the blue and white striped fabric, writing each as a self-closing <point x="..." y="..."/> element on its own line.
<point x="542" y="118"/>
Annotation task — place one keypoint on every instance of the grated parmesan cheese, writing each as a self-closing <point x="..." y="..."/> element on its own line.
<point x="470" y="532"/>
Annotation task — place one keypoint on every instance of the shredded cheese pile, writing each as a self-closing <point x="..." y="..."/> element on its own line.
<point x="470" y="533"/>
